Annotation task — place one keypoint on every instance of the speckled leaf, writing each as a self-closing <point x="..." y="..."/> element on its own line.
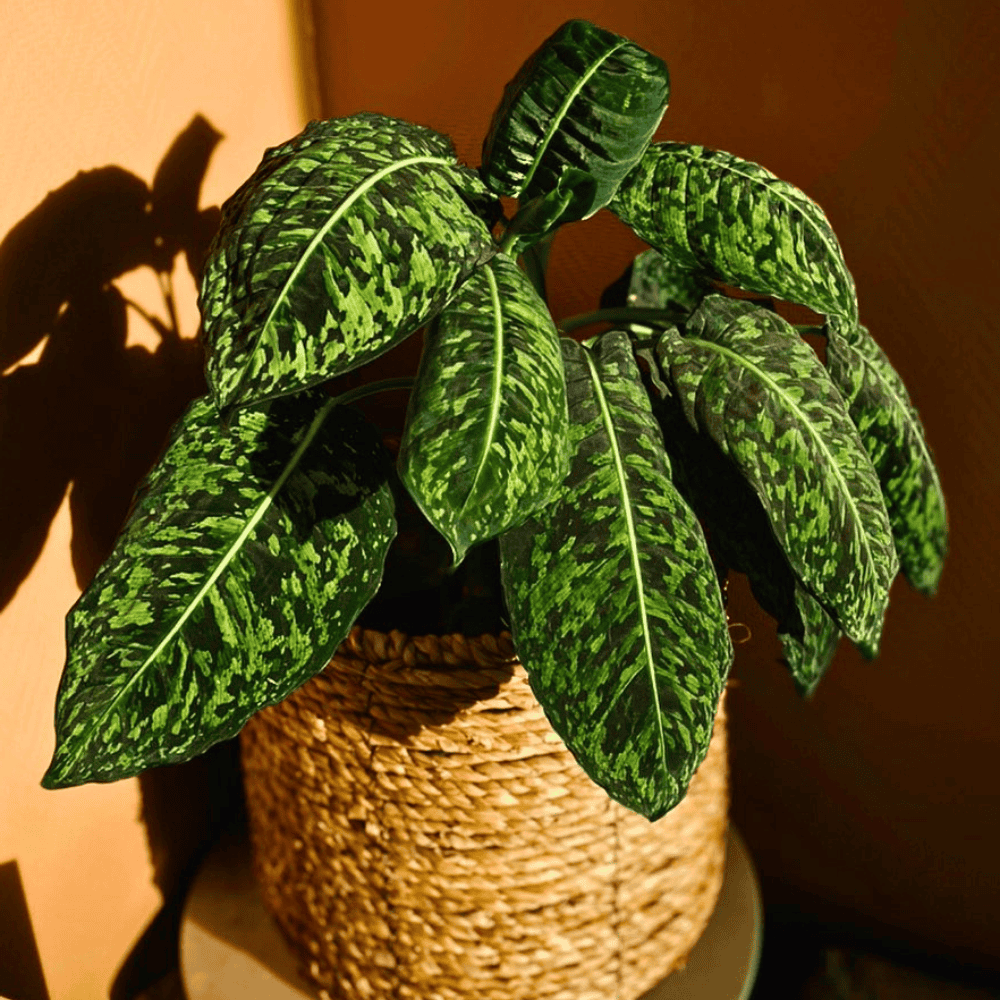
<point x="657" y="282"/>
<point x="893" y="435"/>
<point x="740" y="537"/>
<point x="732" y="219"/>
<point x="244" y="562"/>
<point x="739" y="531"/>
<point x="745" y="378"/>
<point x="615" y="608"/>
<point x="485" y="442"/>
<point x="345" y="240"/>
<point x="587" y="100"/>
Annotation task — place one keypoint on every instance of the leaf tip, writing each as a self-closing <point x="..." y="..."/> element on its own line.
<point x="927" y="580"/>
<point x="868" y="648"/>
<point x="59" y="776"/>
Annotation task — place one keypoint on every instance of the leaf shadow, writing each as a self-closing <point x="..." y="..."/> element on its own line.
<point x="21" y="973"/>
<point x="91" y="413"/>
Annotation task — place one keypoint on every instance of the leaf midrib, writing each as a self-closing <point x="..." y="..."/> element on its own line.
<point x="563" y="111"/>
<point x="221" y="566"/>
<point x="498" y="332"/>
<point x="609" y="426"/>
<point x="740" y="360"/>
<point x="335" y="216"/>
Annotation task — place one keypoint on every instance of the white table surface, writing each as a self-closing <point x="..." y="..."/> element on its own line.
<point x="230" y="947"/>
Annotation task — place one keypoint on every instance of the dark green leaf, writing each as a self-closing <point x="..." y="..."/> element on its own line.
<point x="893" y="435"/>
<point x="745" y="378"/>
<point x="346" y="239"/>
<point x="535" y="261"/>
<point x="739" y="531"/>
<point x="542" y="216"/>
<point x="241" y="569"/>
<point x="615" y="608"/>
<point x="740" y="535"/>
<point x="655" y="282"/>
<point x="485" y="442"/>
<point x="587" y="100"/>
<point x="713" y="212"/>
<point x="658" y="283"/>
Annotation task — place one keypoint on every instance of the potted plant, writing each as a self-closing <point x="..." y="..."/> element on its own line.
<point x="596" y="468"/>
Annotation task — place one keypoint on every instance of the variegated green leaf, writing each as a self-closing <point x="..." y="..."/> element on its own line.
<point x="542" y="216"/>
<point x="713" y="212"/>
<point x="615" y="608"/>
<point x="893" y="435"/>
<point x="740" y="535"/>
<point x="485" y="442"/>
<point x="346" y="239"/>
<point x="241" y="568"/>
<point x="809" y="641"/>
<point x="657" y="286"/>
<point x="656" y="282"/>
<point x="744" y="377"/>
<point x="587" y="100"/>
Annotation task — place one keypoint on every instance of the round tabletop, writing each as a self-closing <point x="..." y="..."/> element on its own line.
<point x="231" y="948"/>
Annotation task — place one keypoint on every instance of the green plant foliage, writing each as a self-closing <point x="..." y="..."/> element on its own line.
<point x="893" y="435"/>
<point x="344" y="241"/>
<point x="712" y="212"/>
<point x="485" y="443"/>
<point x="576" y="477"/>
<point x="587" y="100"/>
<point x="739" y="531"/>
<point x="656" y="282"/>
<point x="615" y="608"/>
<point x="543" y="215"/>
<point x="745" y="378"/>
<point x="740" y="536"/>
<point x="241" y="568"/>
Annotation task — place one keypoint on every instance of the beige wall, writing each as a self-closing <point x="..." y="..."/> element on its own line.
<point x="84" y="86"/>
<point x="877" y="801"/>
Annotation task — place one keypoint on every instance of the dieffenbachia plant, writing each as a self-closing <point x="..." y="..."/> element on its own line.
<point x="261" y="534"/>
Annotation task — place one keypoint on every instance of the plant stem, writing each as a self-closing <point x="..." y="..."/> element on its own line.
<point x="361" y="391"/>
<point x="509" y="238"/>
<point x="626" y="314"/>
<point x="655" y="317"/>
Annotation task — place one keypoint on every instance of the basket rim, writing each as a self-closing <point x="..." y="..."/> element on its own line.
<point x="395" y="651"/>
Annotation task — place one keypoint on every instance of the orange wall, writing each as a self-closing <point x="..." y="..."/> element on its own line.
<point x="877" y="801"/>
<point x="89" y="390"/>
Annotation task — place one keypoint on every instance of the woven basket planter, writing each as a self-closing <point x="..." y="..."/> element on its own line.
<point x="421" y="833"/>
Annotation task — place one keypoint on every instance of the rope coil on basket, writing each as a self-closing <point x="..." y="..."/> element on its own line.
<point x="419" y="831"/>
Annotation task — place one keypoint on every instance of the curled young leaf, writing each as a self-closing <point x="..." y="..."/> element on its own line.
<point x="485" y="442"/>
<point x="587" y="100"/>
<point x="541" y="217"/>
<point x="241" y="569"/>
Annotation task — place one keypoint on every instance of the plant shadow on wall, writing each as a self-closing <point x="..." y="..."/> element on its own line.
<point x="90" y="415"/>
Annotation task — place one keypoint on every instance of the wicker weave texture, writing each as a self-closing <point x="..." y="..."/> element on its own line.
<point x="421" y="833"/>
